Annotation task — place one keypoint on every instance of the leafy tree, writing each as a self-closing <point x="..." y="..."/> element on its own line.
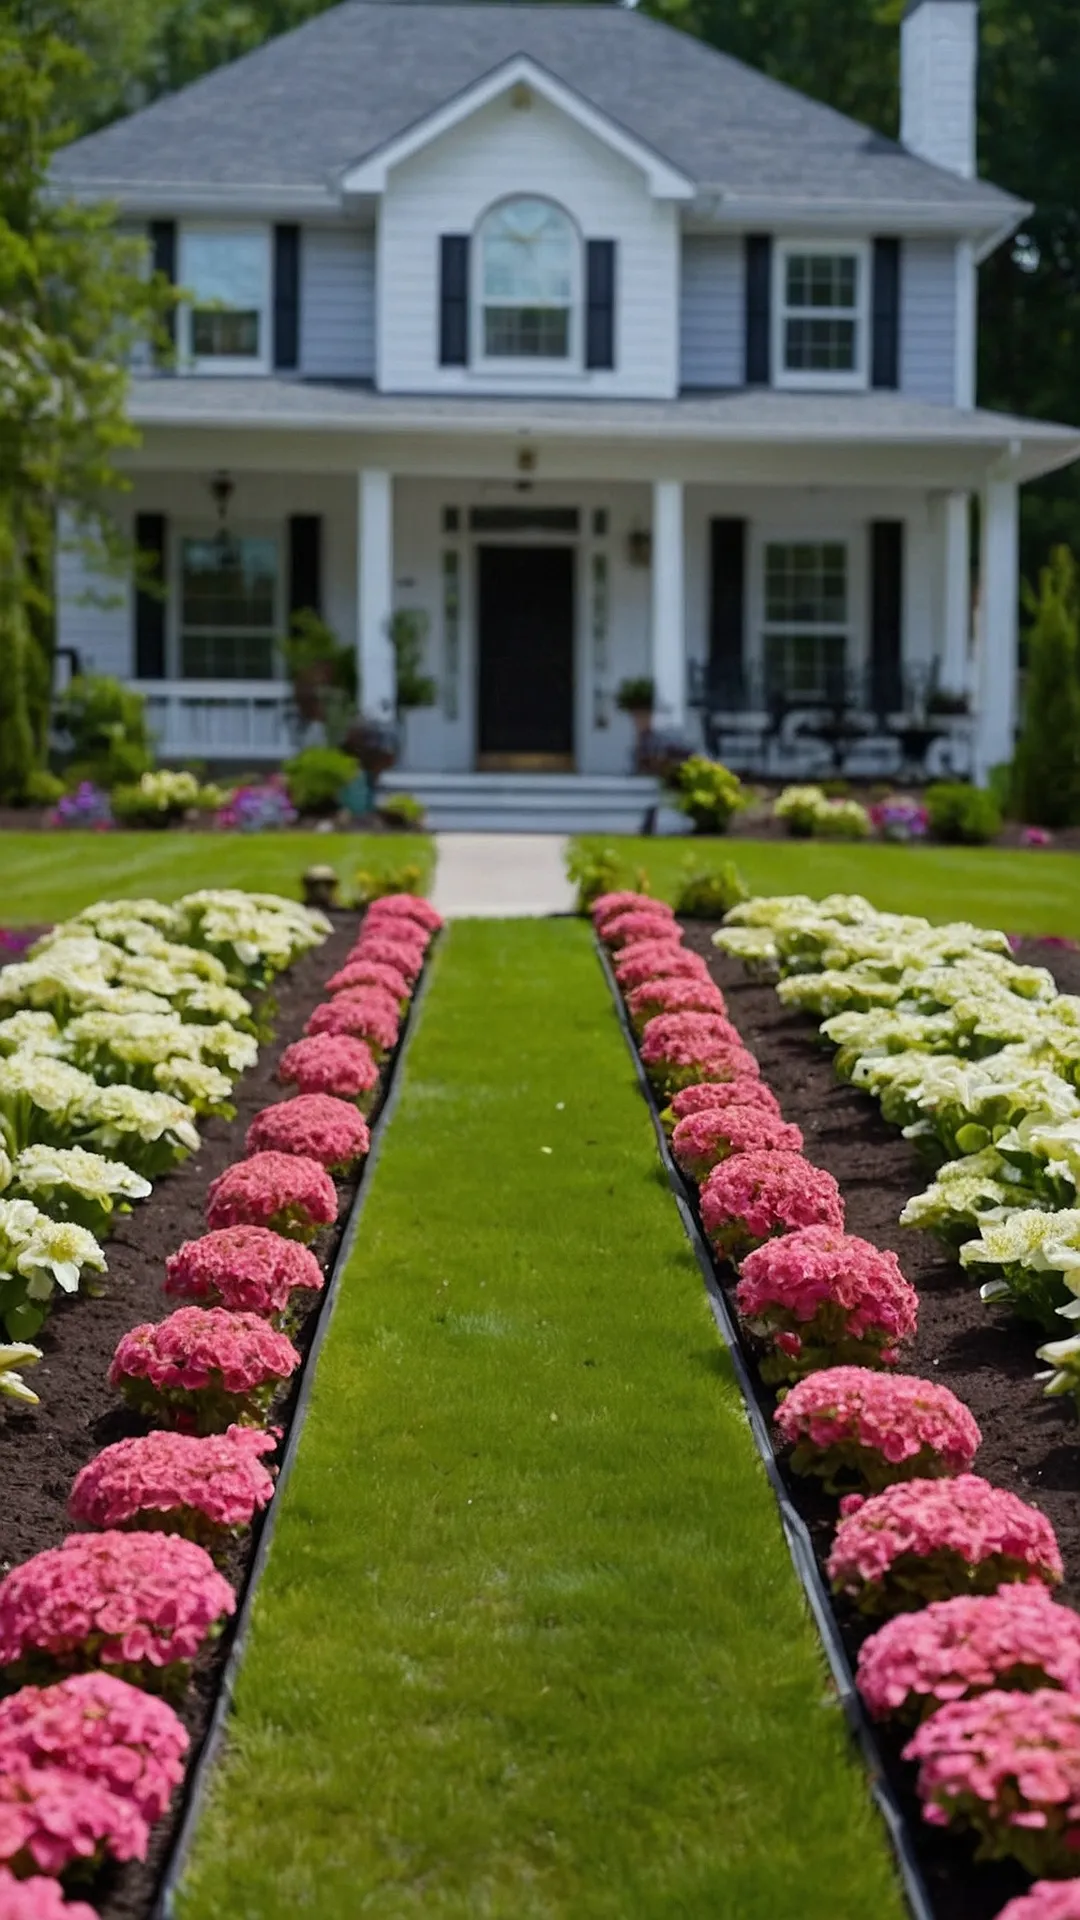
<point x="75" y="299"/>
<point x="1046" y="771"/>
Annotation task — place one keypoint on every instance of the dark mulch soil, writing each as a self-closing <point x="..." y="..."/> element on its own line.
<point x="42" y="1448"/>
<point x="1029" y="1444"/>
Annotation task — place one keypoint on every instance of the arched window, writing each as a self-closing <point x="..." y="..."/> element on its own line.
<point x="528" y="278"/>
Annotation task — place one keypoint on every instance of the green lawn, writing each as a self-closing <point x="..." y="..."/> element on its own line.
<point x="46" y="876"/>
<point x="1022" y="892"/>
<point x="529" y="1643"/>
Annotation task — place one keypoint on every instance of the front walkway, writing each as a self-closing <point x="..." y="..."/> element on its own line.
<point x="501" y="876"/>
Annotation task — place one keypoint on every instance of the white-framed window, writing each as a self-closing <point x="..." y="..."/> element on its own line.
<point x="528" y="284"/>
<point x="225" y="322"/>
<point x="806" y="605"/>
<point x="228" y="606"/>
<point x="821" y="314"/>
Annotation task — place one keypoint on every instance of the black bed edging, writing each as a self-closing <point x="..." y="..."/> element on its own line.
<point x="197" y="1781"/>
<point x="796" y="1534"/>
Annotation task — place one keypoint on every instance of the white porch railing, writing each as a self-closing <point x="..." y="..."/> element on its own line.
<point x="218" y="719"/>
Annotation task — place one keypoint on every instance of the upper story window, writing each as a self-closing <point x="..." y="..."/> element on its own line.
<point x="821" y="315"/>
<point x="225" y="327"/>
<point x="529" y="270"/>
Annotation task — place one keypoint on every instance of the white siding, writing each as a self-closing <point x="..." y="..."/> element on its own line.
<point x="337" y="304"/>
<point x="711" y="311"/>
<point x="94" y="615"/>
<point x="928" y="325"/>
<point x="503" y="150"/>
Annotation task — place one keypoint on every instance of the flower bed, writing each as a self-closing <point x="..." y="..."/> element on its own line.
<point x="243" y="1280"/>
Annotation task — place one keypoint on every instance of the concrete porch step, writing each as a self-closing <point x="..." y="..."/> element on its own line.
<point x="528" y="802"/>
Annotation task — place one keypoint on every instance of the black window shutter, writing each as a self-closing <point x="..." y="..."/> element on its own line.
<point x="163" y="261"/>
<point x="600" y="303"/>
<point x="454" y="300"/>
<point x="305" y="563"/>
<point x="885" y="337"/>
<point x="286" y="297"/>
<point x="727" y="609"/>
<point x="758" y="309"/>
<point x="150" y="608"/>
<point x="886" y="615"/>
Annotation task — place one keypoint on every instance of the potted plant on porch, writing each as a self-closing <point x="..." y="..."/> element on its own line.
<point x="637" y="697"/>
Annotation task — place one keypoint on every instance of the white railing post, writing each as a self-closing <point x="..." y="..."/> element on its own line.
<point x="996" y="725"/>
<point x="375" y="593"/>
<point x="669" y="604"/>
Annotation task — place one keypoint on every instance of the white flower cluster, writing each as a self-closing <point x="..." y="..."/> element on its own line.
<point x="975" y="1057"/>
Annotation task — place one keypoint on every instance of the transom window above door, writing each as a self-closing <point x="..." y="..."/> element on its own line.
<point x="529" y="271"/>
<point x="806" y="628"/>
<point x="821" y="316"/>
<point x="225" y="325"/>
<point x="228" y="608"/>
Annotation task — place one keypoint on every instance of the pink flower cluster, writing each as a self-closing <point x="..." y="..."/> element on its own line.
<point x="287" y="1192"/>
<point x="703" y="1140"/>
<point x="105" y="1730"/>
<point x="51" y="1817"/>
<point x="336" y="1063"/>
<point x="203" y="1368"/>
<point x="143" y="1602"/>
<point x="627" y="929"/>
<point x="1008" y="1766"/>
<point x="609" y="905"/>
<point x="924" y="1540"/>
<point x="673" y="995"/>
<point x="821" y="1297"/>
<point x="657" y="960"/>
<point x="1017" y="1639"/>
<point x="709" y="1096"/>
<point x="1046" y="1900"/>
<point x="678" y="1049"/>
<point x="206" y="1488"/>
<point x="38" y="1899"/>
<point x="247" y="1269"/>
<point x="367" y="1013"/>
<point x="316" y="1125"/>
<point x="748" y="1199"/>
<point x="370" y="973"/>
<point x="849" y="1423"/>
<point x="403" y="909"/>
<point x="392" y="946"/>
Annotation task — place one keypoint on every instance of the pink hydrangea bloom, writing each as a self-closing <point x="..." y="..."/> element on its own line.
<point x="404" y="906"/>
<point x="866" y="1428"/>
<point x="327" y="1130"/>
<point x="749" y="1198"/>
<point x="673" y="995"/>
<point x="51" y="1817"/>
<point x="368" y="1013"/>
<point x="105" y="1730"/>
<point x="1046" y="1900"/>
<point x="335" y="1063"/>
<point x="287" y="1192"/>
<point x="205" y="1488"/>
<point x="709" y="1096"/>
<point x="678" y="1049"/>
<point x="247" y="1269"/>
<point x="821" y="1297"/>
<point x="392" y="947"/>
<point x="657" y="960"/>
<point x="926" y="1540"/>
<point x="370" y="973"/>
<point x="1008" y="1766"/>
<point x="38" y="1899"/>
<point x="142" y="1602"/>
<point x="607" y="905"/>
<point x="703" y="1140"/>
<point x="202" y="1369"/>
<point x="640" y="923"/>
<point x="1014" y="1640"/>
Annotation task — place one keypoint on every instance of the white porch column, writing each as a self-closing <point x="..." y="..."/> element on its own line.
<point x="375" y="593"/>
<point x="669" y="604"/>
<point x="955" y="534"/>
<point x="998" y="626"/>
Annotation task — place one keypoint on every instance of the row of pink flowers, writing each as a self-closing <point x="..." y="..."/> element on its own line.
<point x="101" y="1626"/>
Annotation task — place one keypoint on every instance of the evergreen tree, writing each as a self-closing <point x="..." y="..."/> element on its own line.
<point x="1046" y="771"/>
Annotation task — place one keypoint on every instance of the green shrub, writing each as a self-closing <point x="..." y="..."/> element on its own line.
<point x="372" y="883"/>
<point x="160" y="799"/>
<point x="707" y="792"/>
<point x="1046" y="771"/>
<point x="42" y="789"/>
<point x="636" y="696"/>
<point x="106" y="723"/>
<point x="402" y="810"/>
<point x="316" y="777"/>
<point x="707" y="893"/>
<point x="962" y="815"/>
<point x="594" y="871"/>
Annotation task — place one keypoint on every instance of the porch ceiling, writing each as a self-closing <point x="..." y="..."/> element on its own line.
<point x="757" y="432"/>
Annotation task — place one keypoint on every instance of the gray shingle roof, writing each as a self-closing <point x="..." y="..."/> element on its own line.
<point x="295" y="113"/>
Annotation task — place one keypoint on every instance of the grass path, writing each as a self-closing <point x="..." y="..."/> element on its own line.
<point x="47" y="876"/>
<point x="529" y="1642"/>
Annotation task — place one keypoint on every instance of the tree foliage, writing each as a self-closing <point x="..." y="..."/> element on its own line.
<point x="1046" y="771"/>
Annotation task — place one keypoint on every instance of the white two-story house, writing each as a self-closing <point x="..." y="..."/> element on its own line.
<point x="603" y="353"/>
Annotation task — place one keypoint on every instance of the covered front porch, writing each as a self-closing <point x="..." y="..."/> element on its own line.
<point x="793" y="575"/>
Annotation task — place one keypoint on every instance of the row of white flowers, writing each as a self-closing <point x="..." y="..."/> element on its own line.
<point x="975" y="1057"/>
<point x="121" y="1028"/>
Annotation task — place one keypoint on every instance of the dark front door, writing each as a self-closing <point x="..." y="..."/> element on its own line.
<point x="526" y="632"/>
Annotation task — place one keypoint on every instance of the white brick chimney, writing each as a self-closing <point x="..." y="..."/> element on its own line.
<point x="939" y="49"/>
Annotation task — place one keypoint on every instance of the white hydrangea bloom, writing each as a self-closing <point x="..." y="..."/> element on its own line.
<point x="202" y="1086"/>
<point x="57" y="1253"/>
<point x="52" y="1085"/>
<point x="18" y="1354"/>
<point x="1045" y="1242"/>
<point x="40" y="1170"/>
<point x="225" y="1046"/>
<point x="115" y="1113"/>
<point x="753" y="945"/>
<point x="154" y="912"/>
<point x="208" y="1002"/>
<point x="29" y="1032"/>
<point x="834" y="992"/>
